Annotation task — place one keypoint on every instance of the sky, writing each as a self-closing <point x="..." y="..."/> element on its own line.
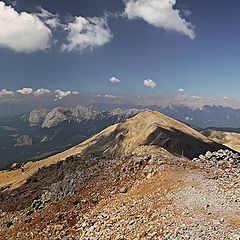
<point x="138" y="51"/>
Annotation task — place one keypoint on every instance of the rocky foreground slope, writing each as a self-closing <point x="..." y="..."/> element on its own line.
<point x="138" y="191"/>
<point x="152" y="196"/>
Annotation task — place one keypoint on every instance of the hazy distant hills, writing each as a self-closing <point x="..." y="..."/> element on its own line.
<point x="204" y="117"/>
<point x="207" y="116"/>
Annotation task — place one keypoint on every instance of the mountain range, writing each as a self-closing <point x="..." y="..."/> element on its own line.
<point x="43" y="132"/>
<point x="207" y="116"/>
<point x="46" y="131"/>
<point x="145" y="133"/>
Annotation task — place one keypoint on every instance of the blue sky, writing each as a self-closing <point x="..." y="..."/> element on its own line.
<point x="199" y="57"/>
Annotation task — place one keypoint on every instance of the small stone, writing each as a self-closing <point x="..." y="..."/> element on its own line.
<point x="131" y="222"/>
<point x="220" y="163"/>
<point x="201" y="157"/>
<point x="123" y="190"/>
<point x="234" y="237"/>
<point x="208" y="154"/>
<point x="151" y="162"/>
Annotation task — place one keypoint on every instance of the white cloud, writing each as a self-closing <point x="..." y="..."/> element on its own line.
<point x="44" y="14"/>
<point x="180" y="90"/>
<point x="75" y="92"/>
<point x="114" y="80"/>
<point x="109" y="96"/>
<point x="41" y="92"/>
<point x="196" y="97"/>
<point x="86" y="33"/>
<point x="25" y="91"/>
<point x="6" y="93"/>
<point x="59" y="94"/>
<point x="159" y="13"/>
<point x="187" y="12"/>
<point x="52" y="20"/>
<point x="149" y="83"/>
<point x="22" y="32"/>
<point x="13" y="3"/>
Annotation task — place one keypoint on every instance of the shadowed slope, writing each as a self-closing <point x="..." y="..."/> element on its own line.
<point x="150" y="129"/>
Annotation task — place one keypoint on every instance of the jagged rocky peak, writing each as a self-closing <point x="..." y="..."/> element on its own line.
<point x="36" y="116"/>
<point x="56" y="116"/>
<point x="81" y="112"/>
<point x="60" y="114"/>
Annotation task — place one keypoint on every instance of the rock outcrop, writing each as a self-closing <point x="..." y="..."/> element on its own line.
<point x="23" y="140"/>
<point x="37" y="116"/>
<point x="59" y="115"/>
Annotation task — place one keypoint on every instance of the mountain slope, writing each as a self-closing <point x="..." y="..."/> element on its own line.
<point x="148" y="129"/>
<point x="229" y="139"/>
<point x="147" y="132"/>
<point x="148" y="196"/>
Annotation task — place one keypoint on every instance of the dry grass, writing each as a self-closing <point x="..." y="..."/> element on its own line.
<point x="229" y="139"/>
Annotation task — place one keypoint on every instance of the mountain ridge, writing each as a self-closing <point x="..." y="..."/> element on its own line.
<point x="147" y="132"/>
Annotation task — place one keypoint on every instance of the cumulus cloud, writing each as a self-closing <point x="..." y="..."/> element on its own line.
<point x="86" y="33"/>
<point x="25" y="91"/>
<point x="180" y="90"/>
<point x="60" y="94"/>
<point x="22" y="32"/>
<point x="149" y="83"/>
<point x="115" y="80"/>
<point x="41" y="92"/>
<point x="52" y="20"/>
<point x="44" y="14"/>
<point x="6" y="93"/>
<point x="159" y="13"/>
